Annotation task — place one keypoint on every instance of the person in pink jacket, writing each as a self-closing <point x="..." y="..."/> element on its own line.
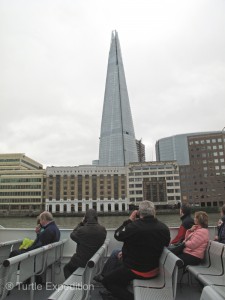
<point x="196" y="240"/>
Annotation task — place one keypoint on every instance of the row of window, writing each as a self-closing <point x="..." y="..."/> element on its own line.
<point x="211" y="154"/>
<point x="203" y="148"/>
<point x="20" y="200"/>
<point x="87" y="198"/>
<point x="153" y="173"/>
<point x="20" y="187"/>
<point x="207" y="141"/>
<point x="153" y="167"/>
<point x="155" y="179"/>
<point x="20" y="193"/>
<point x="5" y="180"/>
<point x="86" y="171"/>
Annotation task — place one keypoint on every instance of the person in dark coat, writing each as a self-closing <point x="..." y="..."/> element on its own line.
<point x="221" y="227"/>
<point x="187" y="223"/>
<point x="49" y="233"/>
<point x="89" y="236"/>
<point x="143" y="241"/>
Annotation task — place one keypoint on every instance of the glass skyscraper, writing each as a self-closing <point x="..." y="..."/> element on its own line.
<point x="117" y="139"/>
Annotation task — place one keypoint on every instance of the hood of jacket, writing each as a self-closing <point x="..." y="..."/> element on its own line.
<point x="91" y="216"/>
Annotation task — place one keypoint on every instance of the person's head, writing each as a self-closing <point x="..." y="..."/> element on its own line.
<point x="146" y="208"/>
<point x="185" y="209"/>
<point x="91" y="216"/>
<point x="45" y="218"/>
<point x="222" y="212"/>
<point x="201" y="218"/>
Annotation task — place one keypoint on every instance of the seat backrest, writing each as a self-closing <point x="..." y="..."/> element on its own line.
<point x="4" y="252"/>
<point x="209" y="293"/>
<point x="24" y="263"/>
<point x="53" y="252"/>
<point x="93" y="267"/>
<point x="162" y="262"/>
<point x="206" y="259"/>
<point x="171" y="265"/>
<point x="164" y="255"/>
<point x="215" y="254"/>
<point x="6" y="248"/>
<point x="16" y="244"/>
<point x="223" y="260"/>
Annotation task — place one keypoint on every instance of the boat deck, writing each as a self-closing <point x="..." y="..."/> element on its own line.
<point x="42" y="292"/>
<point x="184" y="291"/>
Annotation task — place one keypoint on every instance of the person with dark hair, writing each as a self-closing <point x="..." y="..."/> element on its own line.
<point x="196" y="240"/>
<point x="221" y="227"/>
<point x="144" y="238"/>
<point x="187" y="223"/>
<point x="89" y="236"/>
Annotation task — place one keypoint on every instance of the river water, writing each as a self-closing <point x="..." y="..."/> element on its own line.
<point x="107" y="221"/>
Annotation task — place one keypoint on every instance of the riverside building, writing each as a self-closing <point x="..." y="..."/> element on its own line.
<point x="158" y="182"/>
<point x="22" y="184"/>
<point x="203" y="181"/>
<point x="76" y="189"/>
<point x="201" y="159"/>
<point x="174" y="148"/>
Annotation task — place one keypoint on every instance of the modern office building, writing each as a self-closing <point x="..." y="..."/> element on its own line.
<point x="76" y="189"/>
<point x="140" y="150"/>
<point x="117" y="139"/>
<point x="22" y="185"/>
<point x="174" y="148"/>
<point x="158" y="182"/>
<point x="203" y="180"/>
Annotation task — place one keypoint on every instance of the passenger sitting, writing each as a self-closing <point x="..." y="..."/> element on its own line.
<point x="49" y="233"/>
<point x="144" y="239"/>
<point x="89" y="236"/>
<point x="221" y="227"/>
<point x="196" y="240"/>
<point x="187" y="223"/>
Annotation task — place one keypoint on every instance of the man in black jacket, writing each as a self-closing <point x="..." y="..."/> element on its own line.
<point x="144" y="239"/>
<point x="89" y="236"/>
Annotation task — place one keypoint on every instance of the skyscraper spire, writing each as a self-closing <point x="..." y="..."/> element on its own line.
<point x="117" y="140"/>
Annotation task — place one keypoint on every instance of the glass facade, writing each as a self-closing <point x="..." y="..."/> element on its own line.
<point x="117" y="139"/>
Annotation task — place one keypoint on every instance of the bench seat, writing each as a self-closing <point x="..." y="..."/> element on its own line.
<point x="164" y="286"/>
<point x="214" y="274"/>
<point x="215" y="268"/>
<point x="25" y="266"/>
<point x="78" y="285"/>
<point x="213" y="293"/>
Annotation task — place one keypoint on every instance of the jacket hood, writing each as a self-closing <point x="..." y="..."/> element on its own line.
<point x="91" y="216"/>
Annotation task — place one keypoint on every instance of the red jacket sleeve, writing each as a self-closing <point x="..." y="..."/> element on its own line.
<point x="180" y="235"/>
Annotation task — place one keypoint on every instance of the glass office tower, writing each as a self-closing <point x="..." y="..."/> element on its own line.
<point x="117" y="139"/>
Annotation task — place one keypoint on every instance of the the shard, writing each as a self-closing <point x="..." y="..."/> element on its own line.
<point x="117" y="139"/>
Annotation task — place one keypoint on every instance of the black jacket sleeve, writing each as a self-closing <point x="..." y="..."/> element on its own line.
<point x="124" y="231"/>
<point x="75" y="233"/>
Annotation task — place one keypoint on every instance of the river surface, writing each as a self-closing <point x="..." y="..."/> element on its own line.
<point x="107" y="221"/>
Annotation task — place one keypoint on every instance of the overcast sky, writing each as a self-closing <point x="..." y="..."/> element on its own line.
<point x="53" y="63"/>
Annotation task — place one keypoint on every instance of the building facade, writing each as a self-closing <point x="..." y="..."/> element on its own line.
<point x="158" y="182"/>
<point x="22" y="185"/>
<point x="203" y="181"/>
<point x="76" y="189"/>
<point x="174" y="148"/>
<point x="117" y="139"/>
